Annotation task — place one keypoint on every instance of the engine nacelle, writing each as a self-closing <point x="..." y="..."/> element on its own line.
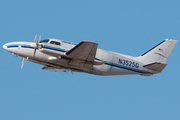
<point x="52" y="50"/>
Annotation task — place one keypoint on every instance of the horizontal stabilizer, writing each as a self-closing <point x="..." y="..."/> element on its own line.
<point x="155" y="66"/>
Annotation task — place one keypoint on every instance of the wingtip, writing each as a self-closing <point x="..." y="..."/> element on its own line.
<point x="85" y="41"/>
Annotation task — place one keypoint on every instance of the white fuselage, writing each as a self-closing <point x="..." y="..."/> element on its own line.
<point x="51" y="56"/>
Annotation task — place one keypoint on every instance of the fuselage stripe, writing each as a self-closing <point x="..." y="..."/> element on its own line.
<point x="53" y="48"/>
<point x="123" y="67"/>
<point x="17" y="45"/>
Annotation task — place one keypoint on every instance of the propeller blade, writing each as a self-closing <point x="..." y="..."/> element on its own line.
<point x="35" y="39"/>
<point x="22" y="63"/>
<point x="39" y="39"/>
<point x="34" y="52"/>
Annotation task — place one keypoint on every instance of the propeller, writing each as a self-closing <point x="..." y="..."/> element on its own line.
<point x="35" y="48"/>
<point x="37" y="43"/>
<point x="22" y="63"/>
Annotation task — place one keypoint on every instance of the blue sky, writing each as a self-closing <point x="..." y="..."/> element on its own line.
<point x="130" y="27"/>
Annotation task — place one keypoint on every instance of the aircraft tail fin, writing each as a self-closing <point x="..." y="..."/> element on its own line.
<point x="159" y="53"/>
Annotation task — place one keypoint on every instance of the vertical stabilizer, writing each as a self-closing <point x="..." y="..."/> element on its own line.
<point x="159" y="53"/>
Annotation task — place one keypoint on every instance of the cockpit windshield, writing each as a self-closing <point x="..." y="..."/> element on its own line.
<point x="44" y="41"/>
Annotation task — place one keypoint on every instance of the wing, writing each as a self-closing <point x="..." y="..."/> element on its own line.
<point x="83" y="55"/>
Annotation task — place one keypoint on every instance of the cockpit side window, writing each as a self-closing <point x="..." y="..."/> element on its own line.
<point x="55" y="43"/>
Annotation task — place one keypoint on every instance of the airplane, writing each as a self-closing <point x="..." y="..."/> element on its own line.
<point x="59" y="55"/>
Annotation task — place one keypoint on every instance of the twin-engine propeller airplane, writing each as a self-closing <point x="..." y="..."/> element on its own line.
<point x="60" y="55"/>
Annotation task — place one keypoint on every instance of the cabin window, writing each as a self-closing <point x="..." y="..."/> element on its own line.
<point x="55" y="43"/>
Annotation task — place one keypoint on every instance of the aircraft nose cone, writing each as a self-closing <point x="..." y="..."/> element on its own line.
<point x="5" y="46"/>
